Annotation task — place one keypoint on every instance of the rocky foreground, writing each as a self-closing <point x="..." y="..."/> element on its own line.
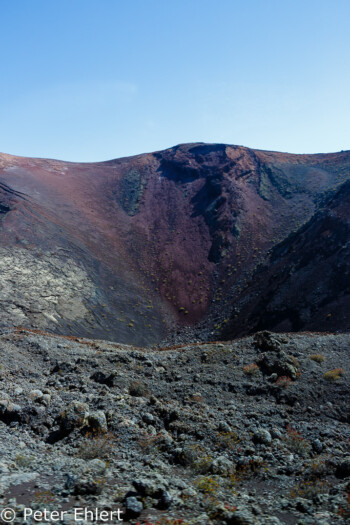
<point x="253" y="431"/>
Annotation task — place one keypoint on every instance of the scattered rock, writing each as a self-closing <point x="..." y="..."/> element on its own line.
<point x="133" y="507"/>
<point x="244" y="449"/>
<point x="262" y="436"/>
<point x="97" y="421"/>
<point x="75" y="416"/>
<point x="343" y="469"/>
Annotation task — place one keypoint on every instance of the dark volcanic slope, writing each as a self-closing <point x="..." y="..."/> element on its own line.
<point x="224" y="236"/>
<point x="307" y="280"/>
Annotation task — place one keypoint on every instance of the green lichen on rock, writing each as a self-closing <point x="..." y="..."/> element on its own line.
<point x="132" y="187"/>
<point x="264" y="186"/>
<point x="272" y="180"/>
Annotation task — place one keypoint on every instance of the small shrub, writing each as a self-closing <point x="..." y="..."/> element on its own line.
<point x="208" y="484"/>
<point x="283" y="381"/>
<point x="318" y="358"/>
<point x="101" y="482"/>
<point x="196" y="399"/>
<point x="171" y="521"/>
<point x="294" y="361"/>
<point x="97" y="445"/>
<point x="296" y="443"/>
<point x="150" y="443"/>
<point x="334" y="375"/>
<point x="165" y="521"/>
<point x="197" y="458"/>
<point x="230" y="508"/>
<point x="227" y="440"/>
<point x="244" y="472"/>
<point x="203" y="463"/>
<point x="23" y="461"/>
<point x="309" y="489"/>
<point x="233" y="479"/>
<point x="319" y="468"/>
<point x="252" y="468"/>
<point x="44" y="497"/>
<point x="218" y="512"/>
<point x="138" y="389"/>
<point x="344" y="510"/>
<point x="251" y="369"/>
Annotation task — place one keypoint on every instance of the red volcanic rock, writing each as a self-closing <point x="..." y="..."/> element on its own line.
<point x="220" y="237"/>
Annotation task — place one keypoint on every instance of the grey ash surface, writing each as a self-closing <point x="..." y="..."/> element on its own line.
<point x="193" y="433"/>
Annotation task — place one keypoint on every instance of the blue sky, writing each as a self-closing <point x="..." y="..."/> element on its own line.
<point x="89" y="80"/>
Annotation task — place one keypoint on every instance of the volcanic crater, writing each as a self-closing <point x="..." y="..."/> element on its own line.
<point x="210" y="240"/>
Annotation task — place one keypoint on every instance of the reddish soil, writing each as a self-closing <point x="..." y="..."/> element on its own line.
<point x="199" y="233"/>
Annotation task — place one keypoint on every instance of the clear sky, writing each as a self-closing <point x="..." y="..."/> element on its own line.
<point x="89" y="80"/>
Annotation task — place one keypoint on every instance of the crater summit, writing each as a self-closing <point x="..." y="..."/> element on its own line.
<point x="223" y="240"/>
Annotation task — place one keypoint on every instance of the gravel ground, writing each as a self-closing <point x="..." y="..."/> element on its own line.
<point x="252" y="431"/>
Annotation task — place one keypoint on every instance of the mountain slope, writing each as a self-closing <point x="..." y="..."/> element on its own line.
<point x="134" y="248"/>
<point x="306" y="284"/>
